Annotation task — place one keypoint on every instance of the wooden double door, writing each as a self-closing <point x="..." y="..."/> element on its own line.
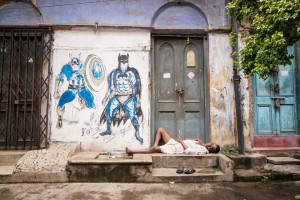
<point x="179" y="87"/>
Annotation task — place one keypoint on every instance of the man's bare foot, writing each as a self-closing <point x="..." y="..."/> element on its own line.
<point x="128" y="151"/>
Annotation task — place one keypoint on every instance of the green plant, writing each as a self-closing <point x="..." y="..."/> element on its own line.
<point x="264" y="179"/>
<point x="297" y="196"/>
<point x="275" y="25"/>
<point x="229" y="149"/>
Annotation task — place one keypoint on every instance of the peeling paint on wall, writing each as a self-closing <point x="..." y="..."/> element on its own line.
<point x="98" y="53"/>
<point x="222" y="112"/>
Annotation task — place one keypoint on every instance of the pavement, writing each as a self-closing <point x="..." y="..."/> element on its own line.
<point x="137" y="191"/>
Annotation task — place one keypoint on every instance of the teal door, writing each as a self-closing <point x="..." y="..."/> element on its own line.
<point x="179" y="87"/>
<point x="276" y="102"/>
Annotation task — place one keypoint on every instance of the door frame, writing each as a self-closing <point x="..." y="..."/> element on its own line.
<point x="279" y="142"/>
<point x="206" y="84"/>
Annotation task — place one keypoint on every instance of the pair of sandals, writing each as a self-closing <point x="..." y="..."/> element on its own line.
<point x="189" y="170"/>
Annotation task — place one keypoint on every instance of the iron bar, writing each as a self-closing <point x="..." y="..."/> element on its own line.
<point x="27" y="88"/>
<point x="9" y="84"/>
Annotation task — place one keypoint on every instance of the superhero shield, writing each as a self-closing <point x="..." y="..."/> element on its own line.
<point x="94" y="72"/>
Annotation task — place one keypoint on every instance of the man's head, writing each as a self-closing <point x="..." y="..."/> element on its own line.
<point x="212" y="147"/>
<point x="123" y="61"/>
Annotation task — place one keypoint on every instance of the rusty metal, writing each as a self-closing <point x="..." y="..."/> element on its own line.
<point x="25" y="72"/>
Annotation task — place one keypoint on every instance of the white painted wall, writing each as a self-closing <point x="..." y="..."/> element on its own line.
<point x="106" y="45"/>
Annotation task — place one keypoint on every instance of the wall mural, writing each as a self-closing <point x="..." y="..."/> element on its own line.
<point x="122" y="100"/>
<point x="123" y="97"/>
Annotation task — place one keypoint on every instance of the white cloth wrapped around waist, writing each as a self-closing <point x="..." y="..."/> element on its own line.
<point x="173" y="146"/>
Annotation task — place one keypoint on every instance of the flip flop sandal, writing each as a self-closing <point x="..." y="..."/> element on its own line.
<point x="189" y="170"/>
<point x="180" y="170"/>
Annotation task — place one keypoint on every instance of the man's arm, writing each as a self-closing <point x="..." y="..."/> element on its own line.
<point x="182" y="143"/>
<point x="199" y="141"/>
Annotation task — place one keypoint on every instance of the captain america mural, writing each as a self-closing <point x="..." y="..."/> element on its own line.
<point x="81" y="77"/>
<point x="122" y="99"/>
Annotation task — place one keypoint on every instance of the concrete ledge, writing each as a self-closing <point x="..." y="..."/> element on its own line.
<point x="7" y="170"/>
<point x="284" y="169"/>
<point x="112" y="161"/>
<point x="248" y="161"/>
<point x="276" y="150"/>
<point x="250" y="175"/>
<point x="175" y="160"/>
<point x="283" y="160"/>
<point x="226" y="165"/>
<point x="88" y="158"/>
<point x="45" y="165"/>
<point x="109" y="173"/>
<point x="8" y="158"/>
<point x="35" y="177"/>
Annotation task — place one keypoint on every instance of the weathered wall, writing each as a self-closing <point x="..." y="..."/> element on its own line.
<point x="81" y="109"/>
<point x="222" y="98"/>
<point x="138" y="13"/>
<point x="247" y="99"/>
<point x="221" y="90"/>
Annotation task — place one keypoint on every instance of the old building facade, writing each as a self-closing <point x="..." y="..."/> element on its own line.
<point x="108" y="73"/>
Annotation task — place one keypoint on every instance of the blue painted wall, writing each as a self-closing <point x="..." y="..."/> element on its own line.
<point x="139" y="13"/>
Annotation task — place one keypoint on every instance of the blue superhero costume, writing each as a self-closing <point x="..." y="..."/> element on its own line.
<point x="76" y="86"/>
<point x="123" y="98"/>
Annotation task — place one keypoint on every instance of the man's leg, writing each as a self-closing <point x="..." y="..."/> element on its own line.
<point x="161" y="133"/>
<point x="149" y="150"/>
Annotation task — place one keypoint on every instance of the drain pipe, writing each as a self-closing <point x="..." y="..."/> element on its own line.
<point x="237" y="80"/>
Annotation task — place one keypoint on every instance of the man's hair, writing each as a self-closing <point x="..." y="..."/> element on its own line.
<point x="216" y="150"/>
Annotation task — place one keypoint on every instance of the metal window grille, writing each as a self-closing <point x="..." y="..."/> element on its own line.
<point x="24" y="87"/>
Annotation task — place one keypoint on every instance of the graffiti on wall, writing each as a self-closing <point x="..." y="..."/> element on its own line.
<point x="77" y="74"/>
<point x="123" y="97"/>
<point x="84" y="81"/>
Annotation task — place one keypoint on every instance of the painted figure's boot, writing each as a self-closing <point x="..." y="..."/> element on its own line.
<point x="60" y="112"/>
<point x="108" y="130"/>
<point x="135" y="124"/>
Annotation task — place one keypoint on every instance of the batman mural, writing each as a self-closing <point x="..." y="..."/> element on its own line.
<point x="123" y="97"/>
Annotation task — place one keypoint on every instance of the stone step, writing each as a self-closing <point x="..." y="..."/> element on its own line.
<point x="283" y="161"/>
<point x="9" y="158"/>
<point x="175" y="160"/>
<point x="7" y="170"/>
<point x="201" y="175"/>
<point x="171" y="172"/>
<point x="94" y="167"/>
<point x="276" y="150"/>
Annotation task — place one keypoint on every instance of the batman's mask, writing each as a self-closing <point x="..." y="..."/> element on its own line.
<point x="123" y="58"/>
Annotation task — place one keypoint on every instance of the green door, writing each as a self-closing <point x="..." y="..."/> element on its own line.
<point x="276" y="102"/>
<point x="179" y="87"/>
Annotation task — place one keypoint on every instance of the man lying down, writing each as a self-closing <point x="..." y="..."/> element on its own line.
<point x="178" y="146"/>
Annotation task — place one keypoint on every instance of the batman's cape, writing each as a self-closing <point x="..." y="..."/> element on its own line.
<point x="120" y="115"/>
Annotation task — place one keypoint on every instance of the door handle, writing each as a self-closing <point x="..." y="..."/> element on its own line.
<point x="277" y="101"/>
<point x="180" y="92"/>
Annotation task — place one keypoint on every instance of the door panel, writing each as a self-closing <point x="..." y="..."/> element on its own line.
<point x="286" y="81"/>
<point x="287" y="116"/>
<point x="179" y="88"/>
<point x="166" y="73"/>
<point x="276" y="102"/>
<point x="265" y="123"/>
